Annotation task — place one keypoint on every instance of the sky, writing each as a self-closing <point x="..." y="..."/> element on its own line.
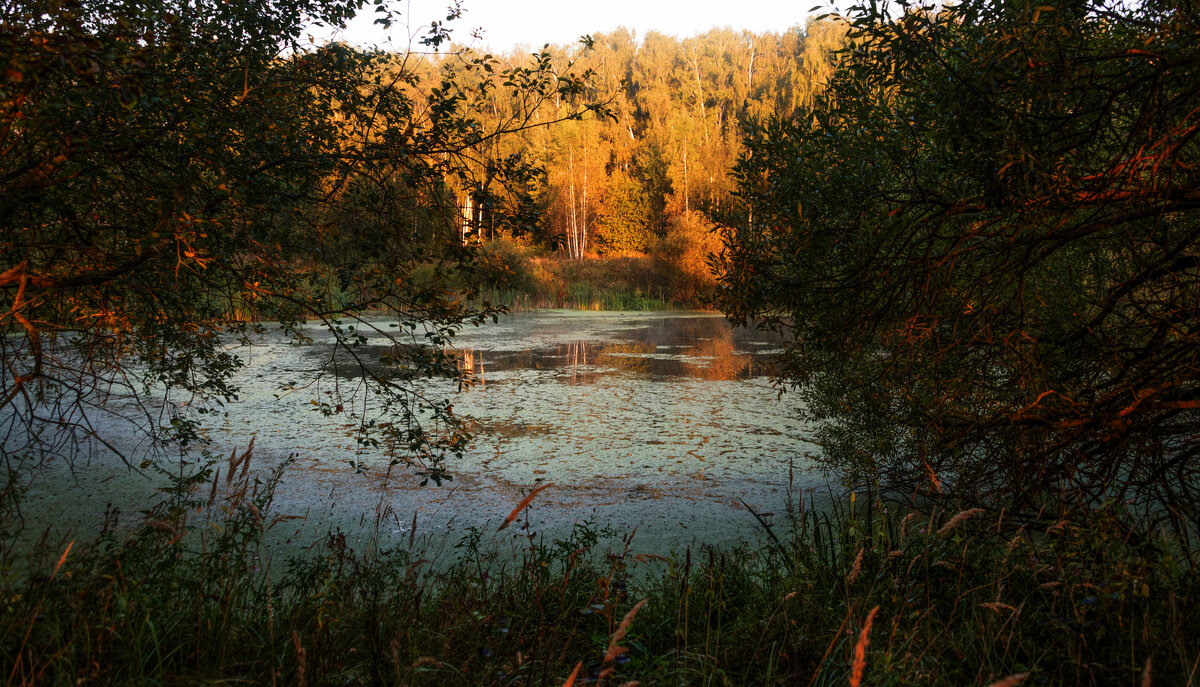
<point x="507" y="24"/>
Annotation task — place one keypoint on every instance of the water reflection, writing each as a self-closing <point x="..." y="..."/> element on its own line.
<point x="694" y="347"/>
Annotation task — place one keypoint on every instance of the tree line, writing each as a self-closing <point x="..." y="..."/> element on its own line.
<point x="661" y="151"/>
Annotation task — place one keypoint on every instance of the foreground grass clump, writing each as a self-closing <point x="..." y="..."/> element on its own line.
<point x="191" y="596"/>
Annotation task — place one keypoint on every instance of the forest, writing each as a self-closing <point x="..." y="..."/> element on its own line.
<point x="643" y="183"/>
<point x="861" y="352"/>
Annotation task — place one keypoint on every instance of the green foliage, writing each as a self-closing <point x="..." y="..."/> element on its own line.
<point x="982" y="244"/>
<point x="623" y="222"/>
<point x="651" y="171"/>
<point x="504" y="264"/>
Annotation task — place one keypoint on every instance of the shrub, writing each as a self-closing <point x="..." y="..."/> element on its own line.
<point x="505" y="264"/>
<point x="681" y="257"/>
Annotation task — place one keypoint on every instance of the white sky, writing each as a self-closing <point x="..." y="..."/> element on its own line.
<point x="531" y="23"/>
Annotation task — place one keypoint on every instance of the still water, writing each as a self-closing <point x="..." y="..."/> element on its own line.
<point x="661" y="421"/>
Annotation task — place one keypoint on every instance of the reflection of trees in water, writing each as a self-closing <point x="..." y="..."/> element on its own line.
<point x="470" y="367"/>
<point x="697" y="350"/>
<point x="723" y="361"/>
<point x="628" y="357"/>
<point x="576" y="355"/>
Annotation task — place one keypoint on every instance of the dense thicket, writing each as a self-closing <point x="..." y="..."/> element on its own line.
<point x="982" y="242"/>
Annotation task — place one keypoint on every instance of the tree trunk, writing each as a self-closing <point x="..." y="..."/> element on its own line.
<point x="686" y="203"/>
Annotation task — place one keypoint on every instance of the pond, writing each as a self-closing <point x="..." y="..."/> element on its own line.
<point x="665" y="422"/>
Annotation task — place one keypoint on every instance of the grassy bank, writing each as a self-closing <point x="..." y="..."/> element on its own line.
<point x="190" y="596"/>
<point x="524" y="277"/>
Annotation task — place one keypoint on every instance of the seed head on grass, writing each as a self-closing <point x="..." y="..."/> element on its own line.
<point x="1058" y="526"/>
<point x="63" y="559"/>
<point x="522" y="505"/>
<point x="856" y="568"/>
<point x="1012" y="544"/>
<point x="860" y="650"/>
<point x="997" y="606"/>
<point x="957" y="520"/>
<point x="571" y="678"/>
<point x="614" y="651"/>
<point x="904" y="525"/>
<point x="301" y="657"/>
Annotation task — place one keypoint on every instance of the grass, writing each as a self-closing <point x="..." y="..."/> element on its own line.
<point x="191" y="595"/>
<point x="580" y="296"/>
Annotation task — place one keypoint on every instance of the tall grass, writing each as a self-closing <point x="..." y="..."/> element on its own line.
<point x="580" y="296"/>
<point x="192" y="594"/>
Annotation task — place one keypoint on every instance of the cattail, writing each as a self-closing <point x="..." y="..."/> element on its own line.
<point x="957" y="519"/>
<point x="1011" y="680"/>
<point x="860" y="650"/>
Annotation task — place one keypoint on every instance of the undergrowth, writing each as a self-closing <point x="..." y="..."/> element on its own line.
<point x="191" y="595"/>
